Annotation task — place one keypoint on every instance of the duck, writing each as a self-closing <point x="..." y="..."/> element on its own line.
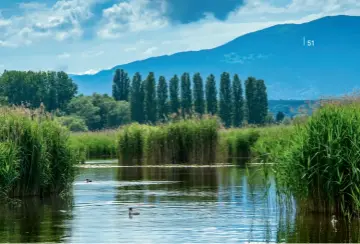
<point x="87" y="180"/>
<point x="131" y="212"/>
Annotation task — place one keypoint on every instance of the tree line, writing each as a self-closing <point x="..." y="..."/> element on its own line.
<point x="148" y="100"/>
<point x="154" y="101"/>
<point x="53" y="89"/>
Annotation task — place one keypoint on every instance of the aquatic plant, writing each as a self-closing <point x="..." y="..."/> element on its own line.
<point x="321" y="165"/>
<point x="271" y="143"/>
<point x="239" y="143"/>
<point x="185" y="141"/>
<point x="130" y="143"/>
<point x="35" y="155"/>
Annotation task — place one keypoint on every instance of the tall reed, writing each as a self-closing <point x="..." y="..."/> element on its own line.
<point x="131" y="141"/>
<point x="321" y="165"/>
<point x="238" y="143"/>
<point x="35" y="155"/>
<point x="186" y="141"/>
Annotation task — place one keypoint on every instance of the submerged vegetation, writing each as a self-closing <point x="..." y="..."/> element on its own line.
<point x="35" y="157"/>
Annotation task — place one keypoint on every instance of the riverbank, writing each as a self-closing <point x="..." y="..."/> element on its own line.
<point x="316" y="160"/>
<point x="184" y="142"/>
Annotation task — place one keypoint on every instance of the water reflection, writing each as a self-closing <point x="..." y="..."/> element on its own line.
<point x="35" y="220"/>
<point x="176" y="205"/>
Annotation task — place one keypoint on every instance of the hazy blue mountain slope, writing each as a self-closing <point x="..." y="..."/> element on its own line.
<point x="276" y="54"/>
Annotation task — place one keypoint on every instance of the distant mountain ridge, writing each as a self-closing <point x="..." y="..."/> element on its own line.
<point x="276" y="54"/>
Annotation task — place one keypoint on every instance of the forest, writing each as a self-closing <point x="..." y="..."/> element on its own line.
<point x="146" y="101"/>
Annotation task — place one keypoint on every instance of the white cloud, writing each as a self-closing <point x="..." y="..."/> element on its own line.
<point x="150" y="50"/>
<point x="130" y="49"/>
<point x="135" y="29"/>
<point x="6" y="44"/>
<point x="133" y="16"/>
<point x="91" y="54"/>
<point x="88" y="72"/>
<point x="64" y="56"/>
<point x="253" y="9"/>
<point x="59" y="22"/>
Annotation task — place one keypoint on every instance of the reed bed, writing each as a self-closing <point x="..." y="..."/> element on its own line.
<point x="320" y="166"/>
<point x="35" y="157"/>
<point x="237" y="144"/>
<point x="186" y="141"/>
<point x="94" y="145"/>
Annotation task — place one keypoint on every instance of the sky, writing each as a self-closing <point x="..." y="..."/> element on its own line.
<point x="85" y="36"/>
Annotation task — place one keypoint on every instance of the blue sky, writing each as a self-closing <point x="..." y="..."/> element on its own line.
<point x="83" y="36"/>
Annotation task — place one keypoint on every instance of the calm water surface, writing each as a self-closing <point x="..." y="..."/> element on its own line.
<point x="176" y="205"/>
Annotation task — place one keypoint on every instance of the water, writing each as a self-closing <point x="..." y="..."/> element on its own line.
<point x="176" y="205"/>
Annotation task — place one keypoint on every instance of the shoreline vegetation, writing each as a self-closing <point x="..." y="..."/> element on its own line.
<point x="315" y="159"/>
<point x="35" y="157"/>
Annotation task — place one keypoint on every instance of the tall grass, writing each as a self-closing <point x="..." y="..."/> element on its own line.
<point x="271" y="143"/>
<point x="321" y="165"/>
<point x="131" y="143"/>
<point x="94" y="145"/>
<point x="186" y="141"/>
<point x="35" y="157"/>
<point x="238" y="143"/>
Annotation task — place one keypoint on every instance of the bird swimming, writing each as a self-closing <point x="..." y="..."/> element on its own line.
<point x="131" y="212"/>
<point x="87" y="180"/>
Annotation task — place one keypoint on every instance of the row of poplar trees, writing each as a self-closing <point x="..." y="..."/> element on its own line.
<point x="152" y="101"/>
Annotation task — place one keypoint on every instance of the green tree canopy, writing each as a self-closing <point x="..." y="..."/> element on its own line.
<point x="225" y="99"/>
<point x="211" y="95"/>
<point x="121" y="85"/>
<point x="186" y="98"/>
<point x="280" y="117"/>
<point x="150" y="98"/>
<point x="198" y="90"/>
<point x="162" y="96"/>
<point x="137" y="99"/>
<point x="174" y="95"/>
<point x="83" y="107"/>
<point x="73" y="123"/>
<point x="238" y="102"/>
<point x="53" y="89"/>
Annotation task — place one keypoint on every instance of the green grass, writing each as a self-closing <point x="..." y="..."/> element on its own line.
<point x="94" y="145"/>
<point x="320" y="165"/>
<point x="237" y="143"/>
<point x="35" y="157"/>
<point x="190" y="141"/>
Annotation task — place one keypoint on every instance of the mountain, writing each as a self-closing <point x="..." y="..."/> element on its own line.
<point x="277" y="55"/>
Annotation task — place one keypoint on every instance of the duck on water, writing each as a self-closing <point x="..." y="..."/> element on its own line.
<point x="131" y="212"/>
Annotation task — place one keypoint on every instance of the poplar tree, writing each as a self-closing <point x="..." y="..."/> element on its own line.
<point x="238" y="102"/>
<point x="198" y="91"/>
<point x="262" y="101"/>
<point x="186" y="99"/>
<point x="162" y="96"/>
<point x="174" y="95"/>
<point x="250" y="94"/>
<point x="121" y="85"/>
<point x="136" y="99"/>
<point x="225" y="99"/>
<point x="211" y="95"/>
<point x="150" y="99"/>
